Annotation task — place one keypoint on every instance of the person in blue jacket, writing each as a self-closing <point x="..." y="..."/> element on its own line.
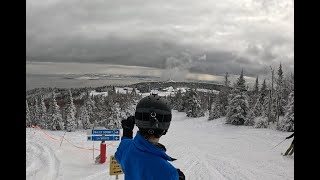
<point x="143" y="157"/>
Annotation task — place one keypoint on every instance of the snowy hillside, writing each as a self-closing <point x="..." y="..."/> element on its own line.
<point x="204" y="150"/>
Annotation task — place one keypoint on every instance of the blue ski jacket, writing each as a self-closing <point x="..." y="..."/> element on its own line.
<point x="142" y="160"/>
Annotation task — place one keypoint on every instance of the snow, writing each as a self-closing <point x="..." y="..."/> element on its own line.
<point x="124" y="90"/>
<point x="204" y="150"/>
<point x="87" y="78"/>
<point x="94" y="93"/>
<point x="208" y="90"/>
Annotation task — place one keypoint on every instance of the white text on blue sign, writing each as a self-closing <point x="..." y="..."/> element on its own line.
<point x="103" y="138"/>
<point x="104" y="131"/>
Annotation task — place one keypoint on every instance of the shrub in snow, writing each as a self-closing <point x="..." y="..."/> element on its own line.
<point x="250" y="119"/>
<point x="237" y="110"/>
<point x="262" y="122"/>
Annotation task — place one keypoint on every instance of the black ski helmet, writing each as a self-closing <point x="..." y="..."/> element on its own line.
<point x="153" y="115"/>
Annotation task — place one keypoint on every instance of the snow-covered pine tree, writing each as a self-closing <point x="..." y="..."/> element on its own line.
<point x="288" y="87"/>
<point x="241" y="82"/>
<point x="249" y="121"/>
<point x="215" y="111"/>
<point x="36" y="112"/>
<point x="178" y="103"/>
<point x="238" y="110"/>
<point x="256" y="86"/>
<point x="279" y="91"/>
<point x="260" y="107"/>
<point x="261" y="111"/>
<point x="84" y="118"/>
<point x="194" y="108"/>
<point x="126" y="111"/>
<point x="254" y="98"/>
<point x="55" y="121"/>
<point x="28" y="118"/>
<point x="287" y="123"/>
<point x="90" y="107"/>
<point x="223" y="96"/>
<point x="101" y="112"/>
<point x="43" y="114"/>
<point x="265" y="108"/>
<point x="70" y="111"/>
<point x="115" y="117"/>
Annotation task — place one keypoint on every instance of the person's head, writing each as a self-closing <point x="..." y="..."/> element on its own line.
<point x="153" y="117"/>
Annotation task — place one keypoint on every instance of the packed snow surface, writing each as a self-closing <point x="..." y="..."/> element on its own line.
<point x="204" y="150"/>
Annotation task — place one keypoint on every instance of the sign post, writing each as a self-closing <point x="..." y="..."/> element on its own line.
<point x="103" y="135"/>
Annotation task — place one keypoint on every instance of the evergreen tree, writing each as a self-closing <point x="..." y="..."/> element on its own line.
<point x="36" y="112"/>
<point x="261" y="108"/>
<point x="288" y="87"/>
<point x="215" y="111"/>
<point x="43" y="114"/>
<point x="280" y="76"/>
<point x="28" y="118"/>
<point x="90" y="107"/>
<point x="55" y="121"/>
<point x="264" y="87"/>
<point x="272" y="109"/>
<point x="226" y="80"/>
<point x="254" y="98"/>
<point x="238" y="110"/>
<point x="178" y="101"/>
<point x="101" y="111"/>
<point x="194" y="105"/>
<point x="241" y="82"/>
<point x="222" y="102"/>
<point x="256" y="86"/>
<point x="84" y="118"/>
<point x="249" y="121"/>
<point x="287" y="124"/>
<point x="115" y="117"/>
<point x="70" y="111"/>
<point x="279" y="92"/>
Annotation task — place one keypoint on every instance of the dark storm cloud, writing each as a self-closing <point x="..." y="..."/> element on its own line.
<point x="232" y="35"/>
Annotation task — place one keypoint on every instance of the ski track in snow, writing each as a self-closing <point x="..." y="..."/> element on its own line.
<point x="42" y="162"/>
<point x="204" y="151"/>
<point x="98" y="174"/>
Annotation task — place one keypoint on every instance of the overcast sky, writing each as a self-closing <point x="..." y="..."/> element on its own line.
<point x="207" y="36"/>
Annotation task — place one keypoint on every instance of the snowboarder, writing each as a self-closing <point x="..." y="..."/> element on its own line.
<point x="291" y="147"/>
<point x="143" y="157"/>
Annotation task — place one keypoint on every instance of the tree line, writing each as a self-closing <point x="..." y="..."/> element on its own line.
<point x="88" y="111"/>
<point x="258" y="106"/>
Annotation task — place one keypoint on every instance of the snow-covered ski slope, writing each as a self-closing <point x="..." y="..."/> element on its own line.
<point x="204" y="150"/>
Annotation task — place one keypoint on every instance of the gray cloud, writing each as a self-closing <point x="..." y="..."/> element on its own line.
<point x="233" y="35"/>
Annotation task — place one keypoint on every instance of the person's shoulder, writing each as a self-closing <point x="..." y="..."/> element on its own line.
<point x="167" y="165"/>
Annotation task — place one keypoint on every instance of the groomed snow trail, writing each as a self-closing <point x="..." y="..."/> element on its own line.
<point x="215" y="150"/>
<point x="41" y="161"/>
<point x="204" y="150"/>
